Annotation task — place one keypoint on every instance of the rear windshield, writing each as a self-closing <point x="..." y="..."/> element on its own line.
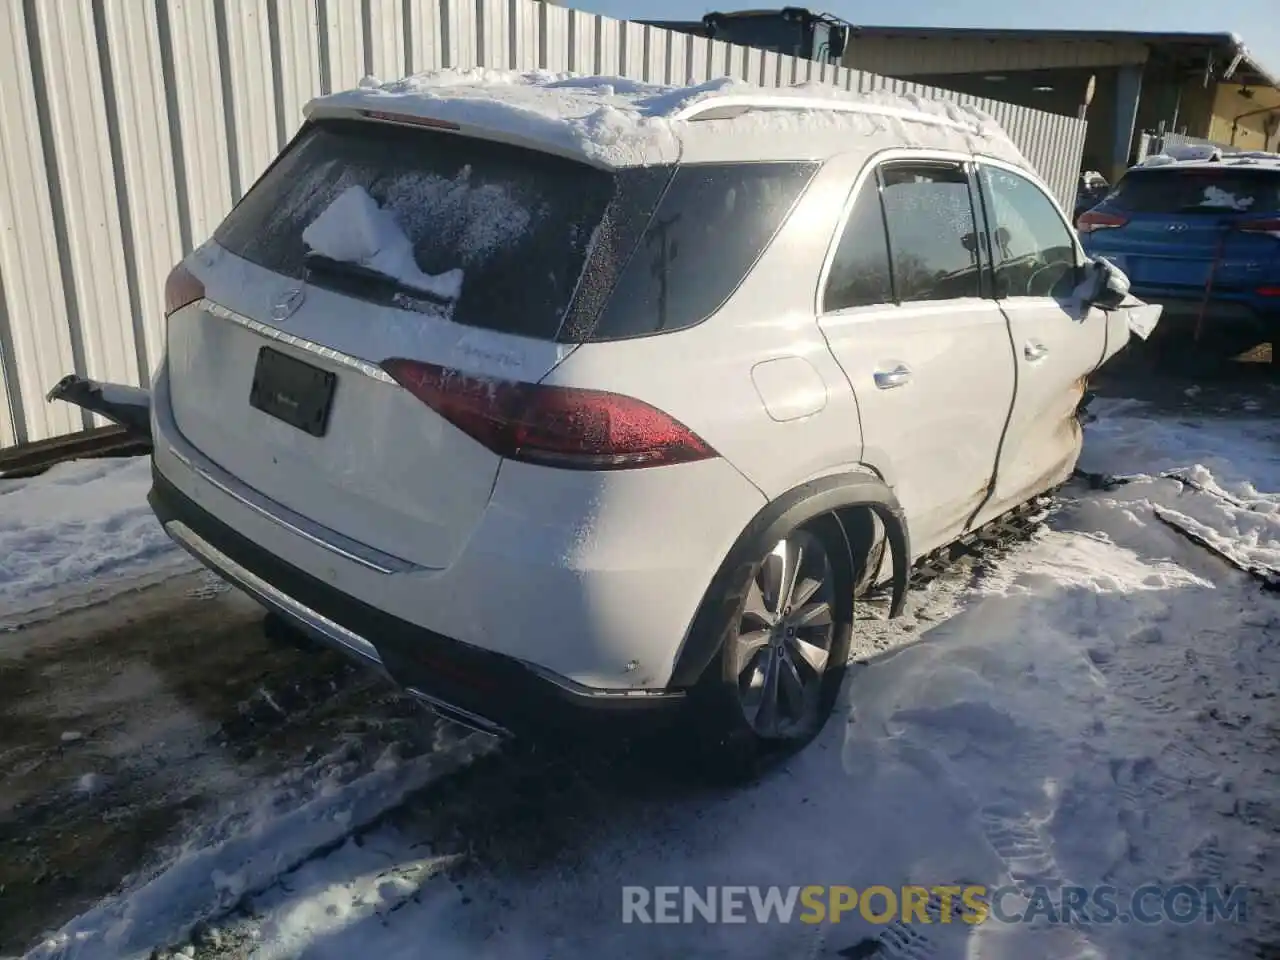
<point x="1212" y="190"/>
<point x="497" y="235"/>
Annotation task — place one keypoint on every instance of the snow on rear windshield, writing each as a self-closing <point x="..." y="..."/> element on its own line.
<point x="1221" y="190"/>
<point x="498" y="231"/>
<point x="352" y="228"/>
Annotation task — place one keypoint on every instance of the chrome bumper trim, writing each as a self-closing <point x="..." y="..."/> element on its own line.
<point x="464" y="718"/>
<point x="322" y="628"/>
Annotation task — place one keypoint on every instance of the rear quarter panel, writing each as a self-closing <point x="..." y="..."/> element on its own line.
<point x="756" y="379"/>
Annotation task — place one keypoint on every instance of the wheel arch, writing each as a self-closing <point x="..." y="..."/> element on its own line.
<point x="834" y="495"/>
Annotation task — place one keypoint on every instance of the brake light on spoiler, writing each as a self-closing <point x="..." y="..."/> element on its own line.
<point x="564" y="427"/>
<point x="1092" y="220"/>
<point x="431" y="122"/>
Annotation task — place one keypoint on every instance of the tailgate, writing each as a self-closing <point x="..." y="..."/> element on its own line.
<point x="367" y="241"/>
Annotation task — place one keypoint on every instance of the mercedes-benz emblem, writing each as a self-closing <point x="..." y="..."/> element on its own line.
<point x="288" y="304"/>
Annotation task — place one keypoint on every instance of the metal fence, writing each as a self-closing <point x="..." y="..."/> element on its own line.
<point x="1162" y="141"/>
<point x="128" y="128"/>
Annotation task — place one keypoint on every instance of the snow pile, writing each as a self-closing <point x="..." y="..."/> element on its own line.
<point x="354" y="229"/>
<point x="618" y="122"/>
<point x="1219" y="479"/>
<point x="611" y="121"/>
<point x="82" y="530"/>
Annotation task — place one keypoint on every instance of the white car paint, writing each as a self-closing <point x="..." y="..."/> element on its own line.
<point x="595" y="577"/>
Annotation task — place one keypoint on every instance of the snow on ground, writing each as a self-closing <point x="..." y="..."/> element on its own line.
<point x="81" y="531"/>
<point x="275" y="828"/>
<point x="1099" y="707"/>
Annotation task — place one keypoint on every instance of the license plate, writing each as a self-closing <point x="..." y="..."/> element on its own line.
<point x="1168" y="272"/>
<point x="297" y="393"/>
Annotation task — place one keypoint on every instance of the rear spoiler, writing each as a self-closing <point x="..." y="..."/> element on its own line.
<point x="129" y="407"/>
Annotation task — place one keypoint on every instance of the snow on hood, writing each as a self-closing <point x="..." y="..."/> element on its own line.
<point x="614" y="121"/>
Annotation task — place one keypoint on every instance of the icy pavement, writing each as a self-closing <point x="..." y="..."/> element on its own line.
<point x="1100" y="707"/>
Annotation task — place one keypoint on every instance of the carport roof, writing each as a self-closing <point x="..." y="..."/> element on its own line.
<point x="1224" y="47"/>
<point x="1198" y="48"/>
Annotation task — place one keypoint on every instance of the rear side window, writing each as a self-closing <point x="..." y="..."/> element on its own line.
<point x="1210" y="189"/>
<point x="706" y="233"/>
<point x="860" y="273"/>
<point x="517" y="223"/>
<point x="932" y="237"/>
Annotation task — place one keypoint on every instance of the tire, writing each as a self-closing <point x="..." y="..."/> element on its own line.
<point x="742" y="729"/>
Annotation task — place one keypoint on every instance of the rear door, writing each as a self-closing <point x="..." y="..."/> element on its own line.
<point x="1056" y="339"/>
<point x="1166" y="225"/>
<point x="927" y="352"/>
<point x="369" y="241"/>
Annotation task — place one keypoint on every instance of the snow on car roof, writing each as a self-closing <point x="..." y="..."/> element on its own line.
<point x="615" y="122"/>
<point x="1187" y="156"/>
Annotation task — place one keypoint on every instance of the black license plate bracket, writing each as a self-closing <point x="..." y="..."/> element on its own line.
<point x="292" y="391"/>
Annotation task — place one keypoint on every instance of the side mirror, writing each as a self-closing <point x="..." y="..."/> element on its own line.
<point x="1105" y="285"/>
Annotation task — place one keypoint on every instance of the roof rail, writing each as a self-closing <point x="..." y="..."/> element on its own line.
<point x="732" y="105"/>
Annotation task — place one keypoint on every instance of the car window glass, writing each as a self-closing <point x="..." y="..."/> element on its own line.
<point x="1211" y="190"/>
<point x="712" y="224"/>
<point x="932" y="239"/>
<point x="1034" y="253"/>
<point x="517" y="223"/>
<point x="860" y="269"/>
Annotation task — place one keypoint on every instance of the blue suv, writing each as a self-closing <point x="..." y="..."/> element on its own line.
<point x="1193" y="234"/>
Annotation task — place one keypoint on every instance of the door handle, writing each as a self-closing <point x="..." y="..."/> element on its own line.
<point x="888" y="379"/>
<point x="1035" y="351"/>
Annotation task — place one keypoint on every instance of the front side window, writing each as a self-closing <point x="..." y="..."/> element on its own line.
<point x="1034" y="251"/>
<point x="860" y="273"/>
<point x="932" y="237"/>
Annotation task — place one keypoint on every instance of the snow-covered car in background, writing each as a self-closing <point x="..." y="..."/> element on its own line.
<point x="570" y="400"/>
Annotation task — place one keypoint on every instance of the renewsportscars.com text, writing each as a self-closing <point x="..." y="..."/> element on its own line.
<point x="916" y="904"/>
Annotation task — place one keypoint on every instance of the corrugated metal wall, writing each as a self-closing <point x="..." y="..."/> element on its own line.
<point x="129" y="127"/>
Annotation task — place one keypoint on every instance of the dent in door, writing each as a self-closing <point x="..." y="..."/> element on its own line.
<point x="789" y="387"/>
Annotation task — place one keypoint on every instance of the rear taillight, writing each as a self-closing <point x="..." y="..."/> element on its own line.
<point x="1092" y="220"/>
<point x="1269" y="292"/>
<point x="181" y="288"/>
<point x="553" y="426"/>
<point x="1271" y="227"/>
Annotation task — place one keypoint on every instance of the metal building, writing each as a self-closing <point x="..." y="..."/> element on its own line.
<point x="1199" y="85"/>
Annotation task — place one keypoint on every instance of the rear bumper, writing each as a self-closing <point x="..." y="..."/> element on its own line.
<point x="479" y="688"/>
<point x="1225" y="308"/>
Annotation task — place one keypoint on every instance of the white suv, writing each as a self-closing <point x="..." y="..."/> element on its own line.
<point x="568" y="401"/>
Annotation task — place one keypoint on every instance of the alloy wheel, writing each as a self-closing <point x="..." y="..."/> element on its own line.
<point x="783" y="645"/>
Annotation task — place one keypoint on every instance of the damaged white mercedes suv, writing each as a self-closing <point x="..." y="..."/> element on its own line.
<point x="580" y="403"/>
